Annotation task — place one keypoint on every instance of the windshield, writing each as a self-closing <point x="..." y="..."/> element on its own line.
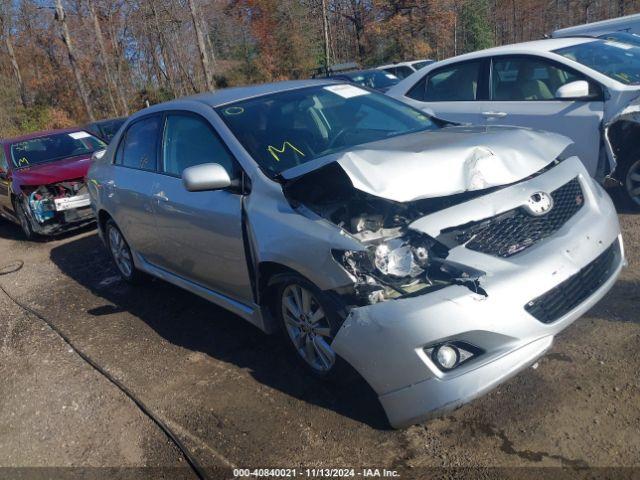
<point x="287" y="129"/>
<point x="107" y="129"/>
<point x="376" y="79"/>
<point x="619" y="61"/>
<point x="54" y="147"/>
<point x="630" y="38"/>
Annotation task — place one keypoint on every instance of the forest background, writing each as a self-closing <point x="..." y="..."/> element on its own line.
<point x="64" y="62"/>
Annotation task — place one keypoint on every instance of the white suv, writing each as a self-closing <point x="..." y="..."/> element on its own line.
<point x="586" y="89"/>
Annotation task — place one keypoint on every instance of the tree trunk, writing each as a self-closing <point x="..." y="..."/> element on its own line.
<point x="66" y="38"/>
<point x="204" y="58"/>
<point x="6" y="30"/>
<point x="112" y="85"/>
<point x="325" y="31"/>
<point x="103" y="56"/>
<point x="16" y="70"/>
<point x="167" y="72"/>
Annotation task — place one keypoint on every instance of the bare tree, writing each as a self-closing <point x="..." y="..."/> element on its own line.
<point x="325" y="31"/>
<point x="204" y="57"/>
<point x="5" y="24"/>
<point x="66" y="38"/>
<point x="106" y="63"/>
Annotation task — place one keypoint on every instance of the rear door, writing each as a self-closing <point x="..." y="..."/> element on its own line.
<point x="523" y="93"/>
<point x="452" y="92"/>
<point x="135" y="171"/>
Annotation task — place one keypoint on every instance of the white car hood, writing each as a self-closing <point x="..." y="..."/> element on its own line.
<point x="444" y="162"/>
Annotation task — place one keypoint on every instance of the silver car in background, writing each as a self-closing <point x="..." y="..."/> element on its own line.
<point x="583" y="88"/>
<point x="436" y="261"/>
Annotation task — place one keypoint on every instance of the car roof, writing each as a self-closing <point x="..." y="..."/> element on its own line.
<point x="629" y="23"/>
<point x="405" y="63"/>
<point x="536" y="46"/>
<point x="236" y="94"/>
<point x="43" y="133"/>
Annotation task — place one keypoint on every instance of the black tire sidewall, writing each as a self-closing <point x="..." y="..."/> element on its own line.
<point x="631" y="203"/>
<point x="22" y="214"/>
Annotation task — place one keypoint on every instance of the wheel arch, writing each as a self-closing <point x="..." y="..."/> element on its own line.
<point x="623" y="136"/>
<point x="272" y="274"/>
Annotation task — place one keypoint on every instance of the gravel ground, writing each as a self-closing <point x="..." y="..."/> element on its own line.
<point x="233" y="397"/>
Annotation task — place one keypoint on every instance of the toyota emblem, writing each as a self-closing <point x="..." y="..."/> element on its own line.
<point x="539" y="203"/>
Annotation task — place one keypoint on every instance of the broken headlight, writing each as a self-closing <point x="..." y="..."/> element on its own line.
<point x="403" y="266"/>
<point x="396" y="258"/>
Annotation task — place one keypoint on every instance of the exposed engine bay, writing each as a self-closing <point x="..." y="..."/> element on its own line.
<point x="396" y="262"/>
<point x="58" y="206"/>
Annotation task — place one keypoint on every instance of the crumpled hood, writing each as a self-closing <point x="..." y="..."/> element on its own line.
<point x="52" y="172"/>
<point x="444" y="162"/>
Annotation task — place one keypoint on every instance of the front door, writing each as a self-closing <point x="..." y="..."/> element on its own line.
<point x="523" y="93"/>
<point x="199" y="233"/>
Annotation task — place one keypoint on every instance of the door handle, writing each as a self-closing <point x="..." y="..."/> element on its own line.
<point x="494" y="114"/>
<point x="161" y="196"/>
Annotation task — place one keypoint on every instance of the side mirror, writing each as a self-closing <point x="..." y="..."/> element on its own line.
<point x="574" y="91"/>
<point x="98" y="154"/>
<point x="208" y="176"/>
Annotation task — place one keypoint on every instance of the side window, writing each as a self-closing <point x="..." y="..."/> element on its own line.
<point x="454" y="83"/>
<point x="528" y="78"/>
<point x="402" y="72"/>
<point x="418" y="90"/>
<point x="139" y="148"/>
<point x="190" y="140"/>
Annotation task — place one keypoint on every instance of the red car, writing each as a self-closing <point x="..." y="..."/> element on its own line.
<point x="42" y="180"/>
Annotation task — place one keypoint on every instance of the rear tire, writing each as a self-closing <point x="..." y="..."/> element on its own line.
<point x="309" y="322"/>
<point x="631" y="184"/>
<point x="121" y="254"/>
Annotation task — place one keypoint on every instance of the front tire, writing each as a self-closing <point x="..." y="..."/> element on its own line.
<point x="631" y="185"/>
<point x="309" y="323"/>
<point x="23" y="219"/>
<point x="121" y="254"/>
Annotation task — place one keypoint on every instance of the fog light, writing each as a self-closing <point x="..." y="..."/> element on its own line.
<point x="447" y="357"/>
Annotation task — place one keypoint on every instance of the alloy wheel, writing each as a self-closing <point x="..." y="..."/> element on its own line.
<point x="632" y="182"/>
<point x="308" y="327"/>
<point x="120" y="252"/>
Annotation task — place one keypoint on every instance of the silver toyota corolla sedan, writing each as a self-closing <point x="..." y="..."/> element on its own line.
<point x="436" y="260"/>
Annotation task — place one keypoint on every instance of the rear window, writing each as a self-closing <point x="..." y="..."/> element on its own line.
<point x="54" y="147"/>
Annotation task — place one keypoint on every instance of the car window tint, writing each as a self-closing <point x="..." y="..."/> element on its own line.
<point x="371" y="118"/>
<point x="286" y="129"/>
<point x="524" y="79"/>
<point x="418" y="90"/>
<point x="454" y="83"/>
<point x="140" y="148"/>
<point x="188" y="141"/>
<point x="402" y="71"/>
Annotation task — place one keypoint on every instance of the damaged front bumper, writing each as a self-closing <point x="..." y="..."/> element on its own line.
<point x="530" y="297"/>
<point x="58" y="208"/>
